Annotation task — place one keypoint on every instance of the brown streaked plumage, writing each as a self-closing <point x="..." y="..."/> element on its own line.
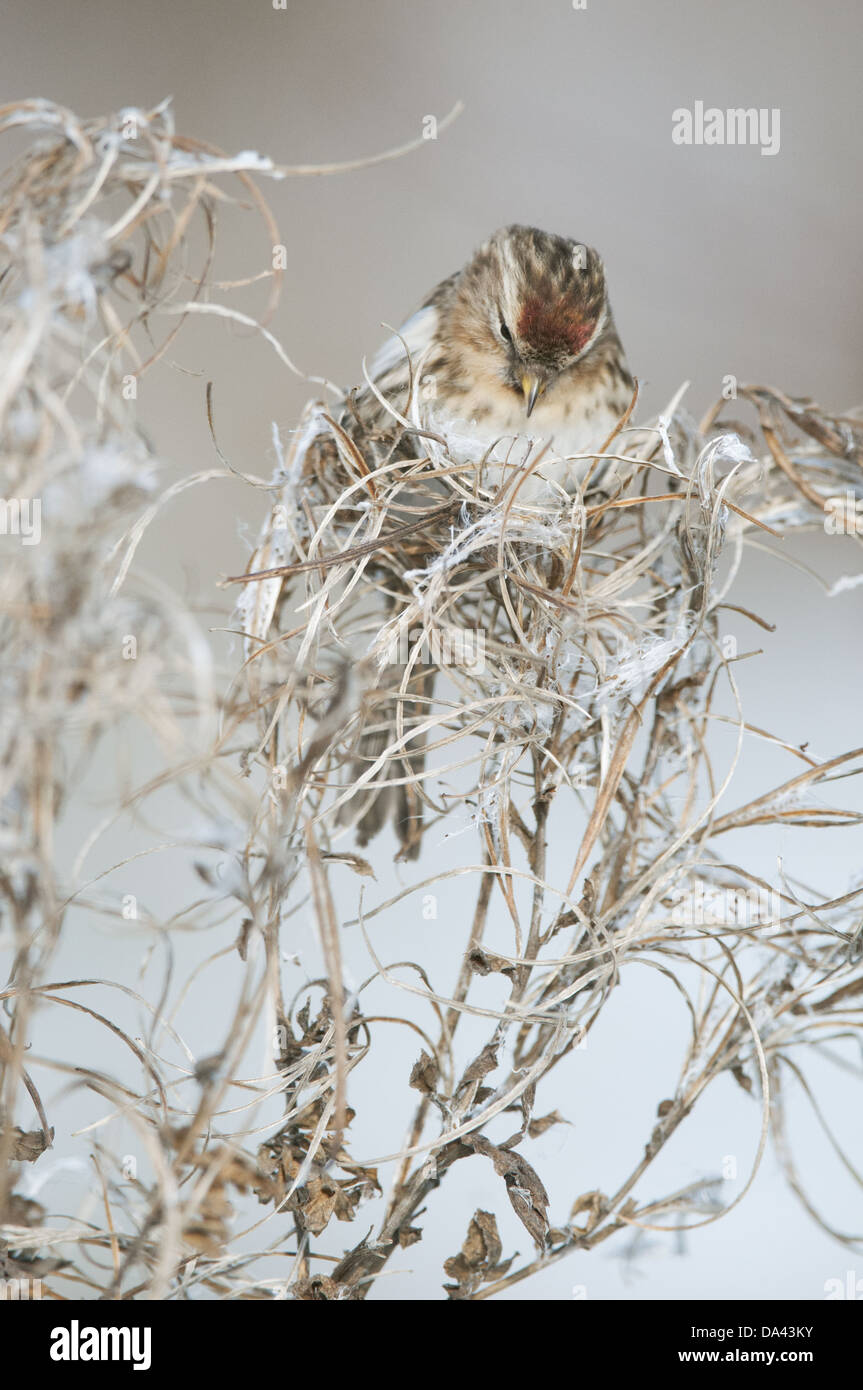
<point x="520" y="343"/>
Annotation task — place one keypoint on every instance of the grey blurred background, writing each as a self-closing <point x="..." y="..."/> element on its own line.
<point x="721" y="260"/>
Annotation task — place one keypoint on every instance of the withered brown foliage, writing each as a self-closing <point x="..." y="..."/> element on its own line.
<point x="582" y="720"/>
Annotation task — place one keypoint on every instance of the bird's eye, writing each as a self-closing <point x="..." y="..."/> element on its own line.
<point x="505" y="333"/>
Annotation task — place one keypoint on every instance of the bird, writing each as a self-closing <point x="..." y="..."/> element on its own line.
<point x="515" y="362"/>
<point x="519" y="348"/>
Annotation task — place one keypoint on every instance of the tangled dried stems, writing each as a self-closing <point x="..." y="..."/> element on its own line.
<point x="549" y="673"/>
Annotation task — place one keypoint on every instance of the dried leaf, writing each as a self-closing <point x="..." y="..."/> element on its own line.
<point x="424" y="1075"/>
<point x="483" y="962"/>
<point x="28" y="1145"/>
<point x="353" y="861"/>
<point x="318" y="1289"/>
<point x="481" y="1065"/>
<point x="478" y="1261"/>
<point x="409" y="1235"/>
<point x="526" y="1193"/>
<point x="537" y="1127"/>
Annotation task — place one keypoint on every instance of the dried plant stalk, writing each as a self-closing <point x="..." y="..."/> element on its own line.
<point x="547" y="672"/>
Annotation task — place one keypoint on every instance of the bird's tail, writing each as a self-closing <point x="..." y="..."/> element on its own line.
<point x="374" y="805"/>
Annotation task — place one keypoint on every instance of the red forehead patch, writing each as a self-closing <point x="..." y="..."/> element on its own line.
<point x="549" y="326"/>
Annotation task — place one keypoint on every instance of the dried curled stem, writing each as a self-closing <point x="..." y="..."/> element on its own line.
<point x="548" y="676"/>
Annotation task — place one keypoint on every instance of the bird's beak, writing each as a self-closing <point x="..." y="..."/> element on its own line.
<point x="533" y="388"/>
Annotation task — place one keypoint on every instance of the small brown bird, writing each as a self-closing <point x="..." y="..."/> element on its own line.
<point x="514" y="355"/>
<point x="518" y="348"/>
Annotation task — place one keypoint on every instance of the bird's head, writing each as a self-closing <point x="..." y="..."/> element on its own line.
<point x="528" y="306"/>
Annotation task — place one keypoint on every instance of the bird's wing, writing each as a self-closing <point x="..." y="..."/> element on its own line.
<point x="413" y="338"/>
<point x="415" y="334"/>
